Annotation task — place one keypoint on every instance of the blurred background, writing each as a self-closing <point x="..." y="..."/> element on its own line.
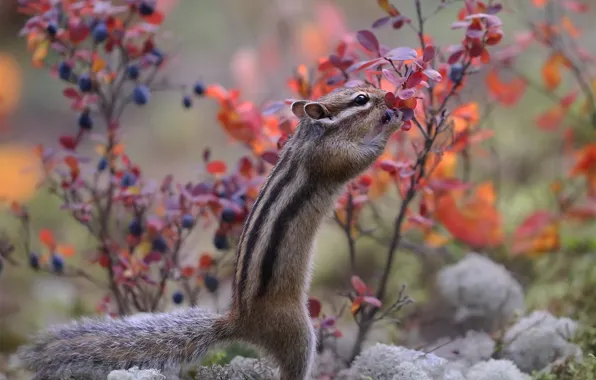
<point x="254" y="46"/>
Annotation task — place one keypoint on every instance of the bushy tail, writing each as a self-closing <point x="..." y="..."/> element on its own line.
<point x="91" y="347"/>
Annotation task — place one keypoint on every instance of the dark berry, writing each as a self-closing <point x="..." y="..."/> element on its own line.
<point x="177" y="297"/>
<point x="133" y="72"/>
<point x="85" y="121"/>
<point x="141" y="95"/>
<point x="199" y="89"/>
<point x="159" y="244"/>
<point x="57" y="263"/>
<point x="135" y="228"/>
<point x="211" y="283"/>
<point x="187" y="221"/>
<point x="64" y="70"/>
<point x="52" y="29"/>
<point x="228" y="215"/>
<point x="146" y="8"/>
<point x="456" y="72"/>
<point x="187" y="101"/>
<point x="34" y="261"/>
<point x="102" y="164"/>
<point x="128" y="179"/>
<point x="85" y="83"/>
<point x="159" y="56"/>
<point x="100" y="32"/>
<point x="221" y="242"/>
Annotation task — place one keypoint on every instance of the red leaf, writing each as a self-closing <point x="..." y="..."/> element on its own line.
<point x="414" y="79"/>
<point x="270" y="156"/>
<point x="216" y="167"/>
<point x="534" y="224"/>
<point x="448" y="184"/>
<point x="156" y="18"/>
<point x="401" y="54"/>
<point x="314" y="307"/>
<point x="71" y="93"/>
<point x="359" y="285"/>
<point x="428" y="53"/>
<point x="455" y="56"/>
<point x="390" y="99"/>
<point x="46" y="237"/>
<point x="205" y="261"/>
<point x="368" y="40"/>
<point x="68" y="142"/>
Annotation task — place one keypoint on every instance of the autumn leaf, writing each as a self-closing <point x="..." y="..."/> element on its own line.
<point x="537" y="234"/>
<point x="20" y="172"/>
<point x="66" y="250"/>
<point x="551" y="70"/>
<point x="506" y="93"/>
<point x="10" y="84"/>
<point x="314" y="307"/>
<point x="216" y="167"/>
<point x="46" y="237"/>
<point x="205" y="261"/>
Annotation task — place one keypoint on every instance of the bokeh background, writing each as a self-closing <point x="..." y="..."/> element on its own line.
<point x="252" y="45"/>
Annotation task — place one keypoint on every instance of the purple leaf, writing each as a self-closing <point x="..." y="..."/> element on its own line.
<point x="406" y="94"/>
<point x="428" y="54"/>
<point x="460" y="24"/>
<point x="152" y="257"/>
<point x="363" y="65"/>
<point x="473" y="33"/>
<point x="407" y="114"/>
<point x="372" y="301"/>
<point x="368" y="40"/>
<point x="270" y="156"/>
<point x="433" y="74"/>
<point x="392" y="77"/>
<point x="401" y="54"/>
<point x="380" y="22"/>
<point x="273" y="108"/>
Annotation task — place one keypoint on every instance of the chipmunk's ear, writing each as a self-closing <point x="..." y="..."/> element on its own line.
<point x="316" y="110"/>
<point x="298" y="108"/>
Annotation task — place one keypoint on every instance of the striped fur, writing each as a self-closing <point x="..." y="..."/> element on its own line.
<point x="337" y="138"/>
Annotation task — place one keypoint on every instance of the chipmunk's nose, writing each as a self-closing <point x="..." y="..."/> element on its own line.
<point x="387" y="116"/>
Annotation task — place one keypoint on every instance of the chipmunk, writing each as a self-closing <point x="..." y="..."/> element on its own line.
<point x="337" y="138"/>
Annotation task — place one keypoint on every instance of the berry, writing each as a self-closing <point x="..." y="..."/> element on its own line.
<point x="102" y="164"/>
<point x="146" y="8"/>
<point x="187" y="101"/>
<point x="177" y="297"/>
<point x="211" y="282"/>
<point x="85" y="83"/>
<point x="64" y="70"/>
<point x="85" y="121"/>
<point x="100" y="32"/>
<point x="221" y="242"/>
<point x="456" y="72"/>
<point x="141" y="95"/>
<point x="52" y="29"/>
<point x="159" y="244"/>
<point x="128" y="179"/>
<point x="34" y="261"/>
<point x="57" y="263"/>
<point x="228" y="215"/>
<point x="199" y="89"/>
<point x="135" y="228"/>
<point x="133" y="72"/>
<point x="187" y="221"/>
<point x="158" y="56"/>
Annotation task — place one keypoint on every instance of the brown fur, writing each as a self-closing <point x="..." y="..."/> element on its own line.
<point x="335" y="141"/>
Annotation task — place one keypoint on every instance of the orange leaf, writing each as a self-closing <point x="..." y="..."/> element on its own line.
<point x="570" y="27"/>
<point x="66" y="250"/>
<point x="539" y="3"/>
<point x="465" y="117"/>
<point x="98" y="64"/>
<point x="435" y="239"/>
<point x="551" y="70"/>
<point x="20" y="173"/>
<point x="551" y="119"/>
<point x="216" y="167"/>
<point x="156" y="18"/>
<point x="356" y="305"/>
<point x="10" y="84"/>
<point x="508" y="94"/>
<point x="538" y="233"/>
<point x="205" y="261"/>
<point x="71" y="162"/>
<point x="47" y="238"/>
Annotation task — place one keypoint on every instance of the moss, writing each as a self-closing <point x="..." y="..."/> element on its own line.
<point x="223" y="356"/>
<point x="571" y="370"/>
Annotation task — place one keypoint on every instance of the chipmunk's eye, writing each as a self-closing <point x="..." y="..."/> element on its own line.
<point x="361" y="100"/>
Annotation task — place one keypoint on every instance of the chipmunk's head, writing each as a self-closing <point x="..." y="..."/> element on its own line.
<point x="343" y="133"/>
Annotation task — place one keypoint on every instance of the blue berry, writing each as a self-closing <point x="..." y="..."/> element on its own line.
<point x="228" y="215"/>
<point x="456" y="72"/>
<point x="158" y="55"/>
<point x="141" y="95"/>
<point x="34" y="261"/>
<point x="221" y="242"/>
<point x="57" y="263"/>
<point x="133" y="72"/>
<point x="135" y="228"/>
<point x="102" y="164"/>
<point x="146" y="9"/>
<point x="177" y="297"/>
<point x="187" y="101"/>
<point x="85" y="121"/>
<point x="128" y="179"/>
<point x="211" y="282"/>
<point x="64" y="70"/>
<point x="85" y="83"/>
<point x="199" y="89"/>
<point x="159" y="244"/>
<point x="187" y="221"/>
<point x="100" y="32"/>
<point x="52" y="29"/>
